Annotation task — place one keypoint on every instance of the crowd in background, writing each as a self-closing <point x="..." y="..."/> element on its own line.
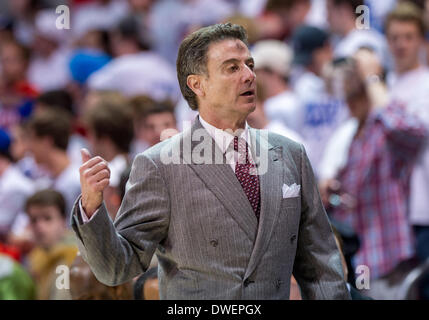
<point x="351" y="86"/>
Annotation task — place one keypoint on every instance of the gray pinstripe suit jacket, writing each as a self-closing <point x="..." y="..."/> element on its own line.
<point x="209" y="244"/>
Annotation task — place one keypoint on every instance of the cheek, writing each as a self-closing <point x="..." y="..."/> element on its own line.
<point x="38" y="230"/>
<point x="141" y="133"/>
<point x="415" y="45"/>
<point x="50" y="229"/>
<point x="35" y="149"/>
<point x="221" y="90"/>
<point x="171" y="125"/>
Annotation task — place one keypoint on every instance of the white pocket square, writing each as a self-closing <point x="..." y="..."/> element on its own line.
<point x="291" y="191"/>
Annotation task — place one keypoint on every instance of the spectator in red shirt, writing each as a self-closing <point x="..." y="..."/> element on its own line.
<point x="376" y="175"/>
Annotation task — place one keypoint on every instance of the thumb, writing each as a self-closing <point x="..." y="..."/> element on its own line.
<point x="85" y="155"/>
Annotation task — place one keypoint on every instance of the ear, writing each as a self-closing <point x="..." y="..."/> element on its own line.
<point x="194" y="82"/>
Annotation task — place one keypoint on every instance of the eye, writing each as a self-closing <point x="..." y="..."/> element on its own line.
<point x="251" y="65"/>
<point x="233" y="68"/>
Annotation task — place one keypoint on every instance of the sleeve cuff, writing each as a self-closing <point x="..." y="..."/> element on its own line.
<point x="83" y="215"/>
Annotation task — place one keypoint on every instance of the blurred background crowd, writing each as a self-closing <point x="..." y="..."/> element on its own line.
<point x="351" y="85"/>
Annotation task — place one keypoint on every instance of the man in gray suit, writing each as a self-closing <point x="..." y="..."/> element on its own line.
<point x="230" y="211"/>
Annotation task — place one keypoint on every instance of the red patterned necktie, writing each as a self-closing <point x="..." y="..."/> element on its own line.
<point x="243" y="169"/>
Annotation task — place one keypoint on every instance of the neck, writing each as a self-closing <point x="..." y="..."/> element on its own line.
<point x="257" y="119"/>
<point x="58" y="162"/>
<point x="128" y="49"/>
<point x="222" y="121"/>
<point x="363" y="105"/>
<point x="349" y="26"/>
<point x="401" y="70"/>
<point x="314" y="69"/>
<point x="109" y="151"/>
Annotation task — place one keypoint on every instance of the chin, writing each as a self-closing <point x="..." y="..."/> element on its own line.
<point x="248" y="107"/>
<point x="252" y="107"/>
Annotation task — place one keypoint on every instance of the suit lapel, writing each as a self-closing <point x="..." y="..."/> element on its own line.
<point x="271" y="180"/>
<point x="218" y="177"/>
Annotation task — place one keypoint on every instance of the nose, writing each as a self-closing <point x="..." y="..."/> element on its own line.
<point x="249" y="74"/>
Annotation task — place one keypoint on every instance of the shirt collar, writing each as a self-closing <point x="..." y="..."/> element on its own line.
<point x="221" y="137"/>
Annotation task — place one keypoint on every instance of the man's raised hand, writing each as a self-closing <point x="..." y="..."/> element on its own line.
<point x="94" y="178"/>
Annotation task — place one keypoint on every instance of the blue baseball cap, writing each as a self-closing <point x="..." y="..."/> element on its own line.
<point x="306" y="39"/>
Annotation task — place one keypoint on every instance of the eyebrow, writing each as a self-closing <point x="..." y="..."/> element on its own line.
<point x="235" y="60"/>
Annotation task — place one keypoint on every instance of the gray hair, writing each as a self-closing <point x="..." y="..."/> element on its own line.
<point x="192" y="56"/>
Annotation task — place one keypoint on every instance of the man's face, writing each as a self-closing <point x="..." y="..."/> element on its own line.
<point x="405" y="42"/>
<point x="230" y="86"/>
<point x="99" y="144"/>
<point x="39" y="147"/>
<point x="297" y="13"/>
<point x="19" y="146"/>
<point x="266" y="78"/>
<point x="265" y="75"/>
<point x="321" y="57"/>
<point x="354" y="91"/>
<point x="154" y="124"/>
<point x="47" y="225"/>
<point x="13" y="63"/>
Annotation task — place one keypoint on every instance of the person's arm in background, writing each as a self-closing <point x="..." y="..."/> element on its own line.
<point x="317" y="266"/>
<point x="117" y="252"/>
<point x="370" y="70"/>
<point x="406" y="134"/>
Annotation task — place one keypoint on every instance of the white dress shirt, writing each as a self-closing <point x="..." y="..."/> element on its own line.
<point x="224" y="139"/>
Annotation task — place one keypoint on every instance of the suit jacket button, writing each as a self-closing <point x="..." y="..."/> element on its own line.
<point x="247" y="282"/>
<point x="293" y="238"/>
<point x="214" y="242"/>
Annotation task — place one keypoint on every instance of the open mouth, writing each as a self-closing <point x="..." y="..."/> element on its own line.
<point x="248" y="93"/>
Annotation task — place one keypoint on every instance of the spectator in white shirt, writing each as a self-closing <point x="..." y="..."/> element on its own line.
<point x="409" y="85"/>
<point x="136" y="72"/>
<point x="322" y="112"/>
<point x="273" y="60"/>
<point x="49" y="133"/>
<point x="14" y="188"/>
